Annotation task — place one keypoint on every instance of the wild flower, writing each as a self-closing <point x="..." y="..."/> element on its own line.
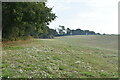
<point x="20" y="70"/>
<point x="102" y="70"/>
<point x="38" y="50"/>
<point x="12" y="65"/>
<point x="77" y="62"/>
<point x="82" y="62"/>
<point x="29" y="77"/>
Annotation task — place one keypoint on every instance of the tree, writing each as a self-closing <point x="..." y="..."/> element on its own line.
<point x="79" y="32"/>
<point x="68" y="30"/>
<point x="86" y="32"/>
<point x="50" y="34"/>
<point x="22" y="19"/>
<point x="92" y="33"/>
<point x="61" y="30"/>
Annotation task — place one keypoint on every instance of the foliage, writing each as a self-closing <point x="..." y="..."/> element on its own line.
<point x="68" y="31"/>
<point x="22" y="19"/>
<point x="62" y="32"/>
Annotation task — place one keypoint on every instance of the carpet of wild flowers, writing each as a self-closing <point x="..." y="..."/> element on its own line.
<point x="65" y="57"/>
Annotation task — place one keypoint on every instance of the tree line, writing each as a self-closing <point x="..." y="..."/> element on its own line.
<point x="62" y="31"/>
<point x="21" y="20"/>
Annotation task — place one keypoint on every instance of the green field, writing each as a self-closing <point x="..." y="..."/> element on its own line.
<point x="62" y="57"/>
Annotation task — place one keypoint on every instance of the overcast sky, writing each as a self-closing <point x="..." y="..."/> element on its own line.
<point x="96" y="15"/>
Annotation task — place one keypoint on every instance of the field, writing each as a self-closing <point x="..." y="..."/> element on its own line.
<point x="92" y="56"/>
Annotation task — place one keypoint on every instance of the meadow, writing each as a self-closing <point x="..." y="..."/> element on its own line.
<point x="80" y="56"/>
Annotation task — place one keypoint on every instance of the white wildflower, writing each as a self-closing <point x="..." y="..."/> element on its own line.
<point x="77" y="62"/>
<point x="21" y="70"/>
<point x="82" y="62"/>
<point x="102" y="70"/>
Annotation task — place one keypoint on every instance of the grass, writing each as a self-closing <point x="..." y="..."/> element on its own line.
<point x="13" y="48"/>
<point x="62" y="57"/>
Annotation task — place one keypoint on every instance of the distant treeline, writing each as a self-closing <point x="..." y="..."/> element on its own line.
<point x="21" y="20"/>
<point x="62" y="32"/>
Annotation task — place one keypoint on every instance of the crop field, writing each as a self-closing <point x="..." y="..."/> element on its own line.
<point x="91" y="56"/>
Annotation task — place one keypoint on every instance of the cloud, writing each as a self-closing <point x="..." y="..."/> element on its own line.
<point x="94" y="15"/>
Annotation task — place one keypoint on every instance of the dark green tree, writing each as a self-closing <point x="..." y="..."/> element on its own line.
<point x="22" y="19"/>
<point x="61" y="30"/>
<point x="68" y="30"/>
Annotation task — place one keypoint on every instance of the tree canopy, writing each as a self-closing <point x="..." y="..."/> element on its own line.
<point x="22" y="19"/>
<point x="62" y="31"/>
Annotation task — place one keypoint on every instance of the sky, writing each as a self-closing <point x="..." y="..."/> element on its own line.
<point x="100" y="16"/>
